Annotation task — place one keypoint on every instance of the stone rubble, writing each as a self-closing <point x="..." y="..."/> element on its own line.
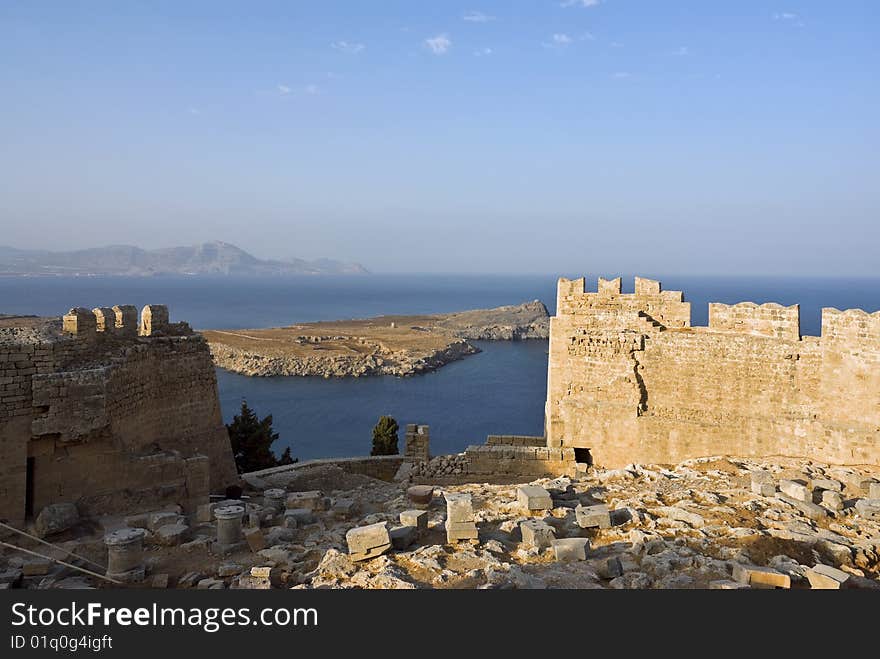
<point x="699" y="524"/>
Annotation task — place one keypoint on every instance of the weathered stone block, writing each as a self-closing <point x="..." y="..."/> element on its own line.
<point x="597" y="516"/>
<point x="163" y="518"/>
<point x="762" y="483"/>
<point x="868" y="508"/>
<point x="403" y="536"/>
<point x="796" y="490"/>
<point x="537" y="533"/>
<point x="456" y="531"/>
<point x="827" y="484"/>
<point x="459" y="507"/>
<point x="810" y="510"/>
<point x="55" y="518"/>
<point x="34" y="567"/>
<point x="172" y="534"/>
<point x="533" y="498"/>
<point x="766" y="577"/>
<point x="832" y="500"/>
<point x="255" y="539"/>
<point x="825" y="577"/>
<point x="571" y="549"/>
<point x="249" y="582"/>
<point x="345" y="508"/>
<point x="368" y="541"/>
<point x="874" y="490"/>
<point x="308" y="500"/>
<point x="299" y="516"/>
<point x="611" y="568"/>
<point x="416" y="518"/>
<point x="420" y="494"/>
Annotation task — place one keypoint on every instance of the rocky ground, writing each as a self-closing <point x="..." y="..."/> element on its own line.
<point x="386" y="345"/>
<point x="685" y="526"/>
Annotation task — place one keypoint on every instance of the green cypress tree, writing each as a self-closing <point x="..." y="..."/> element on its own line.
<point x="385" y="437"/>
<point x="252" y="439"/>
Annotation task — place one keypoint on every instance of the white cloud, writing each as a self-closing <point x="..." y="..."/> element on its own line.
<point x="439" y="44"/>
<point x="587" y="36"/>
<point x="348" y="47"/>
<point x="621" y="75"/>
<point x="483" y="52"/>
<point x="284" y="90"/>
<point x="311" y="90"/>
<point x="581" y="3"/>
<point x="561" y="39"/>
<point x="477" y="17"/>
<point x="683" y="51"/>
<point x="193" y="111"/>
<point x="788" y="17"/>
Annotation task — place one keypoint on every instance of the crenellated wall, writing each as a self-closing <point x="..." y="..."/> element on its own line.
<point x="633" y="388"/>
<point x="91" y="412"/>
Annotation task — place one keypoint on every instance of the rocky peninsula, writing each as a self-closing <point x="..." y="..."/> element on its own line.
<point x="385" y="345"/>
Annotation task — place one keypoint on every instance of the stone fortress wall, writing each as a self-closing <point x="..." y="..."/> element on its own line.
<point x="109" y="411"/>
<point x="630" y="380"/>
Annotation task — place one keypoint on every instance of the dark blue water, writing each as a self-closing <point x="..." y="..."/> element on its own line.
<point x="500" y="390"/>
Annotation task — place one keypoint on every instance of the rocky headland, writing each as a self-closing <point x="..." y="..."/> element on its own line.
<point x="385" y="345"/>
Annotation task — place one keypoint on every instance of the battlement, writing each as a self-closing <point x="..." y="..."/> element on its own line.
<point x="853" y="326"/>
<point x="612" y="308"/>
<point x="768" y="319"/>
<point x="746" y="384"/>
<point x="115" y="403"/>
<point x="122" y="321"/>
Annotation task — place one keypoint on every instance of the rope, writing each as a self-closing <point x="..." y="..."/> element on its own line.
<point x="49" y="544"/>
<point x="64" y="563"/>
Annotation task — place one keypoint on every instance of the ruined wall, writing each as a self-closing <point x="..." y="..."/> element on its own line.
<point x="383" y="467"/>
<point x="519" y="460"/>
<point x="109" y="419"/>
<point x="747" y="385"/>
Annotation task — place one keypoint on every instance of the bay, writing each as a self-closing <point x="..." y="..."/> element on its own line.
<point x="501" y="390"/>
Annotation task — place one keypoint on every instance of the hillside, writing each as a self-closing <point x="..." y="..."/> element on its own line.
<point x="213" y="258"/>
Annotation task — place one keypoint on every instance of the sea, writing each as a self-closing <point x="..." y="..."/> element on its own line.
<point x="501" y="390"/>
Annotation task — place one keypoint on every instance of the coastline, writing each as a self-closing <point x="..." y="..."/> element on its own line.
<point x="384" y="345"/>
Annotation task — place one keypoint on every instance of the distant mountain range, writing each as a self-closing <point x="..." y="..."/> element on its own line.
<point x="214" y="258"/>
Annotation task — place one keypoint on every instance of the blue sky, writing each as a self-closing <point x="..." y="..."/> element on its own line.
<point x="682" y="136"/>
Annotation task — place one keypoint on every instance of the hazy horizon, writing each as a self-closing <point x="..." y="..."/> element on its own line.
<point x="546" y="137"/>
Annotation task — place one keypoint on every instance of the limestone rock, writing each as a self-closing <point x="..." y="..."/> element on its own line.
<point x="868" y="508"/>
<point x="825" y="577"/>
<point x="796" y="490"/>
<point x="368" y="541"/>
<point x="416" y="518"/>
<point x="536" y="534"/>
<point x="55" y="518"/>
<point x="533" y="498"/>
<point x="762" y="577"/>
<point x="403" y="536"/>
<point x="570" y="549"/>
<point x="172" y="534"/>
<point x="597" y="516"/>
